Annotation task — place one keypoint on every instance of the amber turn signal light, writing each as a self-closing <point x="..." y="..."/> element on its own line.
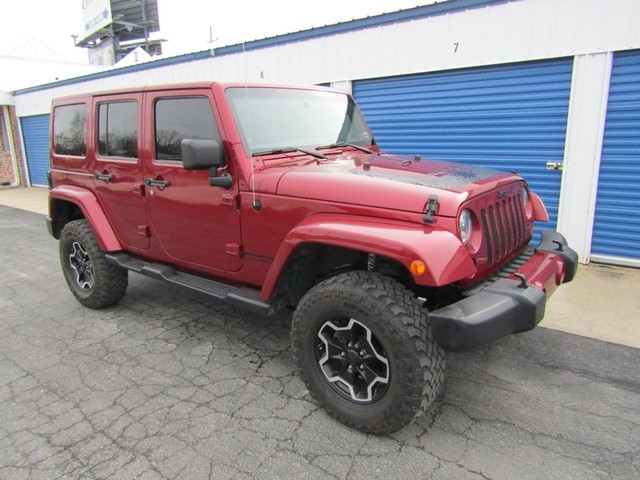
<point x="418" y="267"/>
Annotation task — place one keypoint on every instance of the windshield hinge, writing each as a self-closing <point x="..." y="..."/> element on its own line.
<point x="431" y="210"/>
<point x="144" y="231"/>
<point x="233" y="249"/>
<point x="231" y="200"/>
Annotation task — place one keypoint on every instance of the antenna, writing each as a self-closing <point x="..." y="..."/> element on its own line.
<point x="212" y="41"/>
<point x="256" y="204"/>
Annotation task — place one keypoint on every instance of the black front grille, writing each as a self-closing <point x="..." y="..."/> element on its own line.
<point x="503" y="227"/>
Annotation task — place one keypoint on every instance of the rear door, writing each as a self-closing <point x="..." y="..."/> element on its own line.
<point x="195" y="224"/>
<point x="118" y="170"/>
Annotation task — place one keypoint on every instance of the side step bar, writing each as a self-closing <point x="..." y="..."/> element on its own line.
<point x="243" y="297"/>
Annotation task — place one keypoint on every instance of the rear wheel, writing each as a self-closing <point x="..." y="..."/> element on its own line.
<point x="93" y="281"/>
<point x="365" y="350"/>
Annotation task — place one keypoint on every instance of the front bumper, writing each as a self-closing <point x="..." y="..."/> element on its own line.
<point x="507" y="305"/>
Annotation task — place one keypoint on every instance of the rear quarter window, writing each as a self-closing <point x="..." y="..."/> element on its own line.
<point x="70" y="130"/>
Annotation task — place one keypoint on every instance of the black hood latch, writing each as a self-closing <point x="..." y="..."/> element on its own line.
<point x="431" y="210"/>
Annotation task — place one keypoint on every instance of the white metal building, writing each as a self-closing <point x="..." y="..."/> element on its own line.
<point x="549" y="88"/>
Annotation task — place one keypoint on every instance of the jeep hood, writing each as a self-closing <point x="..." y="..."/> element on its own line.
<point x="389" y="181"/>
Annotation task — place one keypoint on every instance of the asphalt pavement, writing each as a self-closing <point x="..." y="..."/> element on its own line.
<point x="170" y="384"/>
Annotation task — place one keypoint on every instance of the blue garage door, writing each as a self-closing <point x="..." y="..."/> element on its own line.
<point x="616" y="229"/>
<point x="35" y="130"/>
<point x="508" y="117"/>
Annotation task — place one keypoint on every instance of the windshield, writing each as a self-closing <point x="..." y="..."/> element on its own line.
<point x="273" y="118"/>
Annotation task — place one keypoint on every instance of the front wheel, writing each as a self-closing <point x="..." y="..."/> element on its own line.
<point x="365" y="350"/>
<point x="93" y="281"/>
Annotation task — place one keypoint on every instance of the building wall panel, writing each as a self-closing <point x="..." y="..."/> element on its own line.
<point x="511" y="117"/>
<point x="516" y="31"/>
<point x="36" y="143"/>
<point x="616" y="228"/>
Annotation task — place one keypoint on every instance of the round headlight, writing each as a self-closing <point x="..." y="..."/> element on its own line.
<point x="525" y="197"/>
<point x="465" y="224"/>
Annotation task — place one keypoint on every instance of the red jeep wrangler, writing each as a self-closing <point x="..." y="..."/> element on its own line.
<point x="277" y="197"/>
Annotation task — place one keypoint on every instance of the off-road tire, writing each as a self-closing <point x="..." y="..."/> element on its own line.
<point x="400" y="326"/>
<point x="101" y="284"/>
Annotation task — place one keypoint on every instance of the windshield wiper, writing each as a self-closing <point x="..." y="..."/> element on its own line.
<point x="345" y="144"/>
<point x="290" y="150"/>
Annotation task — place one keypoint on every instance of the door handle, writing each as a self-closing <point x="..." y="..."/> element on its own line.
<point x="150" y="182"/>
<point x="105" y="177"/>
<point x="557" y="166"/>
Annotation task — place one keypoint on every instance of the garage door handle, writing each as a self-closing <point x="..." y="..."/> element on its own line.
<point x="105" y="177"/>
<point x="149" y="182"/>
<point x="557" y="166"/>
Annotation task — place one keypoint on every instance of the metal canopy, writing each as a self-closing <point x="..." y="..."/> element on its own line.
<point x="128" y="23"/>
<point x="134" y="19"/>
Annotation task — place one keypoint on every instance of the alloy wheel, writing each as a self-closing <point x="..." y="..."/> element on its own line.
<point x="80" y="264"/>
<point x="352" y="360"/>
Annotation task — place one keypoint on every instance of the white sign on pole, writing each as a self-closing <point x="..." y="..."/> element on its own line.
<point x="104" y="54"/>
<point x="96" y="14"/>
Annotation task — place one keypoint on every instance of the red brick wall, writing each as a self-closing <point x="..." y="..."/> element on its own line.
<point x="7" y="175"/>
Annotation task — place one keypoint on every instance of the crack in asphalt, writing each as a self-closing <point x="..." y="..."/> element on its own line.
<point x="170" y="384"/>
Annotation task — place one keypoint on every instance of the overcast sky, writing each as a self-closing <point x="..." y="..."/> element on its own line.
<point x="185" y="23"/>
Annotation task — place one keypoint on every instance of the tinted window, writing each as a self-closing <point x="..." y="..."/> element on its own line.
<point x="180" y="118"/>
<point x="69" y="130"/>
<point x="271" y="118"/>
<point x="118" y="129"/>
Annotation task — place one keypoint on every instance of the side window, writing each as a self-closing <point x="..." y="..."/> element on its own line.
<point x="180" y="118"/>
<point x="118" y="129"/>
<point x="70" y="130"/>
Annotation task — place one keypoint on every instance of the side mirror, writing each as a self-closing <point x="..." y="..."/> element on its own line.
<point x="200" y="154"/>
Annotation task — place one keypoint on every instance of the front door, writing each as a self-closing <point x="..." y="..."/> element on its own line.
<point x="118" y="172"/>
<point x="195" y="225"/>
